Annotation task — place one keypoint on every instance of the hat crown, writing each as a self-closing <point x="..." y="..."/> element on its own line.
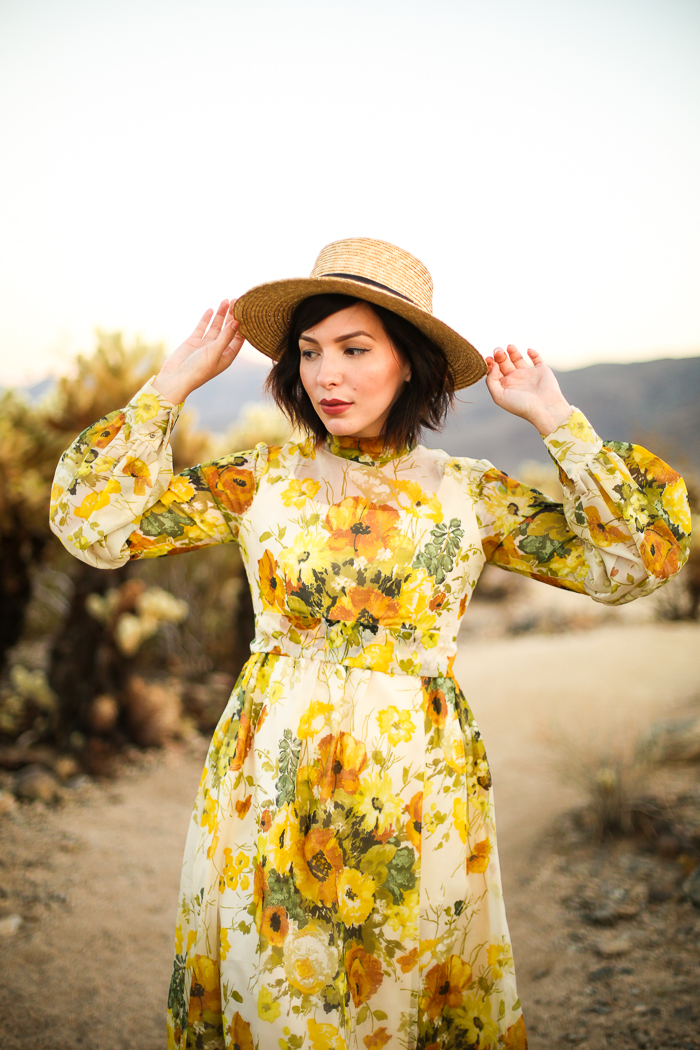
<point x="380" y="263"/>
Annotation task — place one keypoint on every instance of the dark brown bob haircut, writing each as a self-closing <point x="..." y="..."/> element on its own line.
<point x="423" y="403"/>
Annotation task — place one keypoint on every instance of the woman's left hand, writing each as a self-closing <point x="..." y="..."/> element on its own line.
<point x="527" y="388"/>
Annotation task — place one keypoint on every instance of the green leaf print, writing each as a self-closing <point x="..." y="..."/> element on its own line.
<point x="168" y="523"/>
<point x="543" y="548"/>
<point x="438" y="555"/>
<point x="399" y="874"/>
<point x="290" y="747"/>
<point x="177" y="1003"/>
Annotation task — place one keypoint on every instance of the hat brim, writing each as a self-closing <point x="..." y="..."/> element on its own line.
<point x="265" y="313"/>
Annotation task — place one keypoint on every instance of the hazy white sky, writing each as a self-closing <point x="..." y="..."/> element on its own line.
<point x="542" y="157"/>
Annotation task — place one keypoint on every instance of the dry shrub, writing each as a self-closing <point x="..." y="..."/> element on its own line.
<point x="608" y="771"/>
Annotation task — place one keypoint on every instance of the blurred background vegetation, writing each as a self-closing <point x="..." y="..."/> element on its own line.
<point x="93" y="662"/>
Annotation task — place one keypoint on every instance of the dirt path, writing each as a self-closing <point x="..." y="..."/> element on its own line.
<point x="96" y="882"/>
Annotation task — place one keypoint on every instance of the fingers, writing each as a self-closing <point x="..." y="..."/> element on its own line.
<point x="219" y="318"/>
<point x="201" y="328"/>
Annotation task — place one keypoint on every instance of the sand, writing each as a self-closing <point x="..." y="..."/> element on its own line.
<point x="96" y="880"/>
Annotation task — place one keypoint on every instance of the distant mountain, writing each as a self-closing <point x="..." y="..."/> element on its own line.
<point x="653" y="403"/>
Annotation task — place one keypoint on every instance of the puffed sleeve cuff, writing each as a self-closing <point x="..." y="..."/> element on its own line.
<point x="148" y="409"/>
<point x="573" y="444"/>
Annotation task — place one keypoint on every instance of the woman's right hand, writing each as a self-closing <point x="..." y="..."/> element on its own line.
<point x="210" y="349"/>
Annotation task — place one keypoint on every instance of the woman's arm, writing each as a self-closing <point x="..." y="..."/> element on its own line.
<point x="624" y="526"/>
<point x="114" y="495"/>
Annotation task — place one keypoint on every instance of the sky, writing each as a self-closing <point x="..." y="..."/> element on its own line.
<point x="541" y="157"/>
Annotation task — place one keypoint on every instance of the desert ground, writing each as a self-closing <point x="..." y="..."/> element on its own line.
<point x="93" y="882"/>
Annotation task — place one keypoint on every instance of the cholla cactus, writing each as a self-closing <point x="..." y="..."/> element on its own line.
<point x="134" y="614"/>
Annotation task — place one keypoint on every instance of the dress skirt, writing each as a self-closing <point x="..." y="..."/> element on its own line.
<point x="341" y="885"/>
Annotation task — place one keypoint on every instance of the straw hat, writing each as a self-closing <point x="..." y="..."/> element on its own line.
<point x="372" y="270"/>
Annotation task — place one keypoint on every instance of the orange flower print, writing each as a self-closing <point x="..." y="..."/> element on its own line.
<point x="232" y="485"/>
<point x="660" y="550"/>
<point x="205" y="991"/>
<point x="516" y="1036"/>
<point x="137" y="469"/>
<point x="275" y="925"/>
<point x="434" y="703"/>
<point x="266" y="820"/>
<point x="271" y="584"/>
<point x="604" y="533"/>
<point x="343" y="758"/>
<point x="317" y="862"/>
<point x="410" y="961"/>
<point x="377" y="1039"/>
<point x="105" y="432"/>
<point x="241" y="1037"/>
<point x="242" y="806"/>
<point x="445" y="986"/>
<point x="366" y="606"/>
<point x="364" y="974"/>
<point x="414" y="823"/>
<point x="362" y="527"/>
<point x="260" y="889"/>
<point x="244" y="739"/>
<point x="478" y="859"/>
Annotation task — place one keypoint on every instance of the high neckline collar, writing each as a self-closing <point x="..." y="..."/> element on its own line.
<point x="370" y="451"/>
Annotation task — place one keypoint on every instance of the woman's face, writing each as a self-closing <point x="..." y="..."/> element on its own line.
<point x="351" y="371"/>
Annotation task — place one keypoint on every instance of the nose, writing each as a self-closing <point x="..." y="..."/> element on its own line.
<point x="329" y="373"/>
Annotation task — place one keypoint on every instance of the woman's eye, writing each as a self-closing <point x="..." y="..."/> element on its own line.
<point x="308" y="355"/>
<point x="355" y="351"/>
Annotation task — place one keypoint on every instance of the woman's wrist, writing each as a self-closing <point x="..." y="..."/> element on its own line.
<point x="170" y="388"/>
<point x="549" y="417"/>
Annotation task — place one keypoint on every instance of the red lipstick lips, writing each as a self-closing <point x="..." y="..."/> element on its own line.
<point x="333" y="406"/>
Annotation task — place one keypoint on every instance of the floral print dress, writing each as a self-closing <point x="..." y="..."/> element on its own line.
<point x="341" y="886"/>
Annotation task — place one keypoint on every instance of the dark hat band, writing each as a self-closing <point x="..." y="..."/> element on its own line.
<point x="375" y="284"/>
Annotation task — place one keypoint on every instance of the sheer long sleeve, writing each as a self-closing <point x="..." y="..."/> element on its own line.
<point x="622" y="531"/>
<point x="115" y="497"/>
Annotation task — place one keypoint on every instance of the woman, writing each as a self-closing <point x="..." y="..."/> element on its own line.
<point x="341" y="885"/>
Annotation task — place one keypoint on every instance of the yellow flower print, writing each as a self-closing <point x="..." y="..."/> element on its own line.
<point x="459" y="813"/>
<point x="234" y="871"/>
<point x="95" y="501"/>
<point x="579" y="427"/>
<point x="146" y="408"/>
<point x="398" y="725"/>
<point x="268" y="1008"/>
<point x="136" y="468"/>
<point x="675" y="503"/>
<point x="418" y="504"/>
<point x="376" y="803"/>
<point x="355" y="896"/>
<point x="478" y="859"/>
<point x="309" y="960"/>
<point x="404" y="917"/>
<point x="480" y="1028"/>
<point x="377" y="657"/>
<point x="324" y="1036"/>
<point x="179" y="490"/>
<point x="209" y="813"/>
<point x="282" y="839"/>
<point x="224" y="944"/>
<point x="315" y="718"/>
<point x="500" y="958"/>
<point x="298" y="491"/>
<point x="363" y="528"/>
<point x="308" y="554"/>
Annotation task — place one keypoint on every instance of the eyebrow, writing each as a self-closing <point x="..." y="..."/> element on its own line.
<point x="340" y="339"/>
